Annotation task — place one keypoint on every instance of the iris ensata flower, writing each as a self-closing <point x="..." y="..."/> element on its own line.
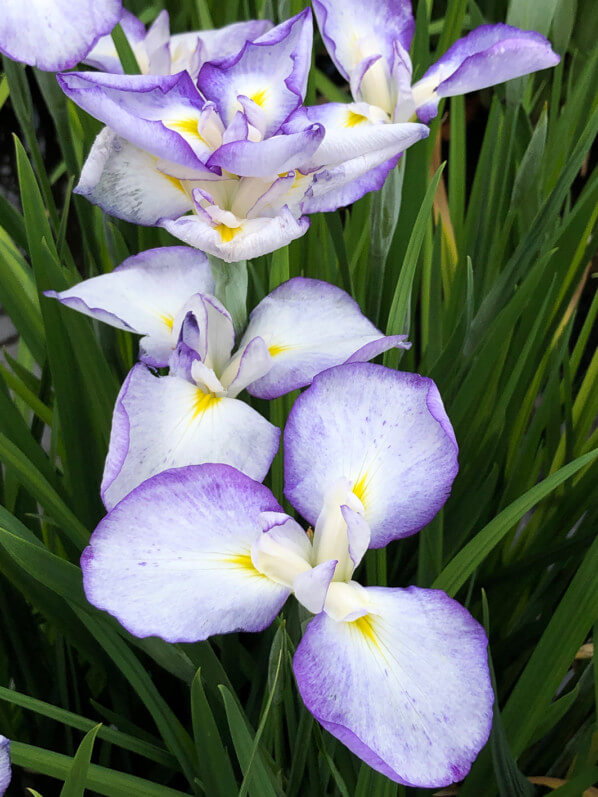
<point x="228" y="148"/>
<point x="400" y="676"/>
<point x="192" y="415"/>
<point x="159" y="53"/>
<point x="5" y="768"/>
<point x="55" y="34"/>
<point x="368" y="40"/>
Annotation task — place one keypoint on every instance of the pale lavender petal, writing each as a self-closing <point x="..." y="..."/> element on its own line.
<point x="167" y="422"/>
<point x="358" y="533"/>
<point x="272" y="71"/>
<point x="104" y="56"/>
<point x="386" y="432"/>
<point x="144" y="294"/>
<point x="250" y="365"/>
<point x="173" y="558"/>
<point x="139" y="107"/>
<point x="310" y="587"/>
<point x="376" y="347"/>
<point x="357" y="29"/>
<point x="489" y="55"/>
<point x="125" y="181"/>
<point x="405" y="687"/>
<point x="5" y="768"/>
<point x="308" y="326"/>
<point x="55" y="35"/>
<point x="342" y="185"/>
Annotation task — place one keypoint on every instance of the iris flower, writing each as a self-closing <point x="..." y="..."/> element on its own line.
<point x="159" y="53"/>
<point x="400" y="676"/>
<point x="55" y="34"/>
<point x="368" y="40"/>
<point x="228" y="147"/>
<point x="192" y="415"/>
<point x="5" y="768"/>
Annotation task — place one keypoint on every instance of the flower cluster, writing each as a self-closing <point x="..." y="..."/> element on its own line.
<point x="213" y="142"/>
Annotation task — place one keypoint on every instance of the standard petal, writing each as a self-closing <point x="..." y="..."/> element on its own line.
<point x="158" y="113"/>
<point x="144" y="294"/>
<point x="247" y="367"/>
<point x="386" y="432"/>
<point x="167" y="422"/>
<point x="5" y="769"/>
<point x="356" y="29"/>
<point x="173" y="558"/>
<point x="56" y="35"/>
<point x="308" y="326"/>
<point x="489" y="55"/>
<point x="252" y="238"/>
<point x="311" y="586"/>
<point x="272" y="71"/>
<point x="405" y="687"/>
<point x="126" y="182"/>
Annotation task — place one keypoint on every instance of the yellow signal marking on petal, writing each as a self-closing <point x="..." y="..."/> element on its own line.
<point x="168" y="320"/>
<point x="187" y="127"/>
<point x="360" y="488"/>
<point x="365" y="626"/>
<point x="227" y="233"/>
<point x="243" y="562"/>
<point x="203" y="402"/>
<point x="353" y="119"/>
<point x="274" y="350"/>
<point x="259" y="97"/>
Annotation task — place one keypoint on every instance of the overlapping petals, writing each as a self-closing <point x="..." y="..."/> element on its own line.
<point x="384" y="431"/>
<point x="55" y="34"/>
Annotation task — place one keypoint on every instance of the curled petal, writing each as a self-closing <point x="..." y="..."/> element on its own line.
<point x="144" y="294"/>
<point x="168" y="422"/>
<point x="311" y="586"/>
<point x="251" y="364"/>
<point x="406" y="686"/>
<point x="173" y="558"/>
<point x="386" y="432"/>
<point x="308" y="326"/>
<point x="56" y="35"/>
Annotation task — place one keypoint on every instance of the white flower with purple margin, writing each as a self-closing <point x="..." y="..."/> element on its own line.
<point x="159" y="53"/>
<point x="228" y="149"/>
<point x="5" y="769"/>
<point x="368" y="40"/>
<point x="55" y="34"/>
<point x="400" y="676"/>
<point x="193" y="415"/>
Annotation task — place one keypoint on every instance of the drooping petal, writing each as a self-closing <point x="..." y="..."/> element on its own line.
<point x="489" y="55"/>
<point x="173" y="558"/>
<point x="355" y="29"/>
<point x="272" y="71"/>
<point x="252" y="238"/>
<point x="158" y="113"/>
<point x="5" y="768"/>
<point x="144" y="294"/>
<point x="125" y="181"/>
<point x="168" y="422"/>
<point x="308" y="326"/>
<point x="55" y="35"/>
<point x="386" y="432"/>
<point x="405" y="687"/>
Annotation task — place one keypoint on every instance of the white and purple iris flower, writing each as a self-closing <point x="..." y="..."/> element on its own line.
<point x="400" y="676"/>
<point x="192" y="415"/>
<point x="55" y="34"/>
<point x="369" y="40"/>
<point x="5" y="768"/>
<point x="234" y="148"/>
<point x="159" y="53"/>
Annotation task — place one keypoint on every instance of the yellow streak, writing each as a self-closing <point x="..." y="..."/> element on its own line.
<point x="203" y="402"/>
<point x="274" y="350"/>
<point x="187" y="127"/>
<point x="354" y="119"/>
<point x="360" y="488"/>
<point x="227" y="233"/>
<point x="243" y="562"/>
<point x="168" y="320"/>
<point x="365" y="626"/>
<point x="259" y="97"/>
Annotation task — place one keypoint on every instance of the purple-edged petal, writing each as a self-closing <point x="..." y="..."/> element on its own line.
<point x="308" y="326"/>
<point x="376" y="347"/>
<point x="272" y="71"/>
<point x="55" y="35"/>
<point x="358" y="534"/>
<point x="144" y="295"/>
<point x="168" y="422"/>
<point x="159" y="114"/>
<point x="311" y="586"/>
<point x="406" y="687"/>
<point x="386" y="432"/>
<point x="5" y="769"/>
<point x="489" y="55"/>
<point x="173" y="558"/>
<point x="103" y="55"/>
<point x="344" y="184"/>
<point x="355" y="30"/>
<point x="251" y="238"/>
<point x="277" y="154"/>
<point x="125" y="182"/>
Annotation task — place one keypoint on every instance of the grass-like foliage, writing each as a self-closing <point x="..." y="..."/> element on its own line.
<point x="480" y="248"/>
